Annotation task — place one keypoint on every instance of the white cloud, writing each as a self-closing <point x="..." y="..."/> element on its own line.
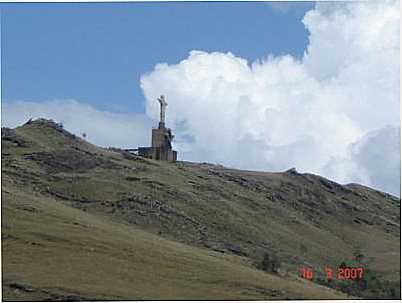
<point x="374" y="159"/>
<point x="282" y="112"/>
<point x="379" y="153"/>
<point x="286" y="7"/>
<point x="102" y="128"/>
<point x="333" y="113"/>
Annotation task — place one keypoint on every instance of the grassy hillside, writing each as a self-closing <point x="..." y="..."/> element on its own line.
<point x="81" y="221"/>
<point x="53" y="251"/>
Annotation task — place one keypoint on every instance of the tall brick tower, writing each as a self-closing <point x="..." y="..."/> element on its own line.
<point x="161" y="148"/>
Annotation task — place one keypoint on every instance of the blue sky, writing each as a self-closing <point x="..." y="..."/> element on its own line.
<point x="96" y="52"/>
<point x="308" y="85"/>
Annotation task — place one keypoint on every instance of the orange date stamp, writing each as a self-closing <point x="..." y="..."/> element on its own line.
<point x="342" y="273"/>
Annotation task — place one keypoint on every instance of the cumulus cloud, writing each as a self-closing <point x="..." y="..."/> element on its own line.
<point x="102" y="128"/>
<point x="380" y="149"/>
<point x="374" y="160"/>
<point x="335" y="112"/>
<point x="291" y="6"/>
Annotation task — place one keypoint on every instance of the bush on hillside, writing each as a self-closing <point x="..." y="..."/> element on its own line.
<point x="270" y="263"/>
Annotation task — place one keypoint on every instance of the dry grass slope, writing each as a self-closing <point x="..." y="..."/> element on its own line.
<point x="82" y="222"/>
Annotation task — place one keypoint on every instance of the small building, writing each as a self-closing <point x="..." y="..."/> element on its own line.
<point x="162" y="138"/>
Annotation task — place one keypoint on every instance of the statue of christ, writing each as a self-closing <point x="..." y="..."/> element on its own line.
<point x="163" y="104"/>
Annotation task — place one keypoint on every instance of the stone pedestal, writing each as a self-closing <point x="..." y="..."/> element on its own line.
<point x="162" y="137"/>
<point x="161" y="148"/>
<point x="158" y="153"/>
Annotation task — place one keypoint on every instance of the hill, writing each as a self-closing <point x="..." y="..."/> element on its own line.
<point x="84" y="222"/>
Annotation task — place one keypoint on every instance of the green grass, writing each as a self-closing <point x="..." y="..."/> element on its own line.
<point x="197" y="208"/>
<point x="57" y="250"/>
